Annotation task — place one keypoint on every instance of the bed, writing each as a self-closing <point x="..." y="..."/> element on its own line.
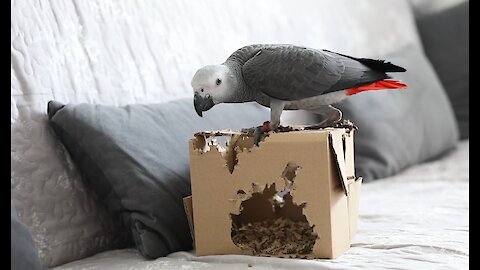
<point x="119" y="53"/>
<point x="417" y="219"/>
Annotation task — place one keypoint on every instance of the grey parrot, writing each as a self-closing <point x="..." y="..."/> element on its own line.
<point x="289" y="77"/>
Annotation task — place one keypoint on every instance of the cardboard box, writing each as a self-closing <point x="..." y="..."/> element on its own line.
<point x="295" y="195"/>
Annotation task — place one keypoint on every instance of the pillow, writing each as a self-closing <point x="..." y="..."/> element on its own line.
<point x="399" y="128"/>
<point x="445" y="40"/>
<point x="136" y="159"/>
<point x="24" y="255"/>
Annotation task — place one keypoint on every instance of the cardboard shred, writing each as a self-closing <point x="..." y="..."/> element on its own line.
<point x="273" y="237"/>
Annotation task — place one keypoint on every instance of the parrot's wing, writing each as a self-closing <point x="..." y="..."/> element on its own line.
<point x="293" y="73"/>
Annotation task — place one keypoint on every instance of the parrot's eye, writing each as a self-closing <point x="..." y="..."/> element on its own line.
<point x="201" y="90"/>
<point x="219" y="81"/>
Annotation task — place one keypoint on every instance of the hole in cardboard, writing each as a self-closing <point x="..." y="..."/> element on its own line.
<point x="267" y="228"/>
<point x="228" y="145"/>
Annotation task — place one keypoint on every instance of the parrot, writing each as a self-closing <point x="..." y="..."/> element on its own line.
<point x="290" y="77"/>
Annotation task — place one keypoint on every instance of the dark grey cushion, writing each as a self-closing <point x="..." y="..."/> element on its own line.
<point x="398" y="128"/>
<point x="445" y="40"/>
<point x="24" y="255"/>
<point x="136" y="159"/>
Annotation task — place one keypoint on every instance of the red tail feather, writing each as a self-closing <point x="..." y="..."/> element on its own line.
<point x="380" y="85"/>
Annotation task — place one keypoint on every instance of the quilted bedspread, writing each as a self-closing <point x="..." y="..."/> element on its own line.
<point x="415" y="220"/>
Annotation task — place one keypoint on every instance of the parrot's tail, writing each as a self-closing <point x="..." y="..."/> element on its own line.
<point x="379" y="85"/>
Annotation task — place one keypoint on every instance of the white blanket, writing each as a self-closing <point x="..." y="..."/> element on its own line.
<point x="415" y="220"/>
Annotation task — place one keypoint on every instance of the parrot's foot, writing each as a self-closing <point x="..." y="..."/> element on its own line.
<point x="331" y="117"/>
<point x="260" y="131"/>
<point x="345" y="123"/>
<point x="266" y="126"/>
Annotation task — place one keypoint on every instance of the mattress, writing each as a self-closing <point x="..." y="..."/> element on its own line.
<point x="417" y="219"/>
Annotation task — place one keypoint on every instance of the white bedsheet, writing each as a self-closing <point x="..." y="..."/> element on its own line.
<point x="415" y="220"/>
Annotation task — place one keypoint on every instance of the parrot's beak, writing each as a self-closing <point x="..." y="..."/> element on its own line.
<point x="202" y="104"/>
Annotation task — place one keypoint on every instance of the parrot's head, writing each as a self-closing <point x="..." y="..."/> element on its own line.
<point x="212" y="85"/>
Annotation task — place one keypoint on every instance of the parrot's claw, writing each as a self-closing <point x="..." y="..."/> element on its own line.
<point x="259" y="132"/>
<point x="257" y="135"/>
<point x="331" y="117"/>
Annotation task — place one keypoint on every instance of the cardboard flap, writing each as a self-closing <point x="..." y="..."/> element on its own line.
<point x="349" y="155"/>
<point x="336" y="141"/>
<point x="353" y="204"/>
<point x="187" y="204"/>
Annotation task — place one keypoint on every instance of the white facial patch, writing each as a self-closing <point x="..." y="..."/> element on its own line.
<point x="207" y="76"/>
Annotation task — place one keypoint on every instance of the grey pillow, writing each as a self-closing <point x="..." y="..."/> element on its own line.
<point x="398" y="128"/>
<point x="445" y="40"/>
<point x="24" y="255"/>
<point x="136" y="159"/>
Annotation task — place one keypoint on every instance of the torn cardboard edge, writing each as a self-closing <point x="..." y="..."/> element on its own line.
<point x="347" y="125"/>
<point x="238" y="142"/>
<point x="241" y="141"/>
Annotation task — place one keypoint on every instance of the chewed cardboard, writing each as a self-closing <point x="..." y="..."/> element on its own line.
<point x="295" y="195"/>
